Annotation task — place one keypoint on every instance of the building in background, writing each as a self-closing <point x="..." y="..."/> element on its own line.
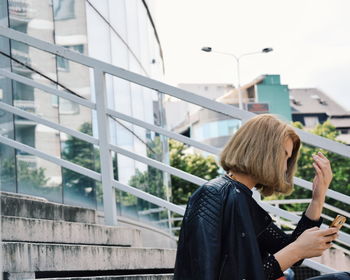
<point x="263" y="95"/>
<point x="118" y="32"/>
<point x="210" y="90"/>
<point x="177" y="110"/>
<point x="311" y="106"/>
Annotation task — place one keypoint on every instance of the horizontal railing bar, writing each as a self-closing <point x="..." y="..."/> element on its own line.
<point x="342" y="242"/>
<point x="182" y="174"/>
<point x="61" y="162"/>
<point x="341" y="248"/>
<point x="337" y="210"/>
<point x="160" y="130"/>
<point x="294" y="218"/>
<point x="288" y="224"/>
<point x="331" y="219"/>
<point x="126" y="75"/>
<point x="159" y="165"/>
<point x="138" y="193"/>
<point x="289" y="201"/>
<point x="307" y="200"/>
<point x="284" y="223"/>
<point x="323" y="142"/>
<point x="330" y="193"/>
<point x="149" y="197"/>
<point x="151" y="211"/>
<point x="325" y="217"/>
<point x="319" y="267"/>
<point x="279" y="212"/>
<point x="228" y="110"/>
<point x="175" y="228"/>
<point x="199" y="181"/>
<point x="49" y="89"/>
<point x="167" y="220"/>
<point x="48" y="123"/>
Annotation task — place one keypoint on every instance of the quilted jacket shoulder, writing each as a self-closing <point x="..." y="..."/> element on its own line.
<point x="210" y="243"/>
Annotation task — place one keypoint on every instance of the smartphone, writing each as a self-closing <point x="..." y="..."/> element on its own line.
<point x="338" y="221"/>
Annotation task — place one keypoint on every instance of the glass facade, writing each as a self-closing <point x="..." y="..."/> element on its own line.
<point x="7" y="162"/>
<point x="128" y="41"/>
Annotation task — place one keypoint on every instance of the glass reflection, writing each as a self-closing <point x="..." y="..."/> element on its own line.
<point x="34" y="175"/>
<point x="7" y="154"/>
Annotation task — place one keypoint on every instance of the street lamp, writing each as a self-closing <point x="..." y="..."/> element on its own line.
<point x="237" y="58"/>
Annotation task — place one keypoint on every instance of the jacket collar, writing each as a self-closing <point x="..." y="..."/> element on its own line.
<point x="241" y="186"/>
<point x="259" y="215"/>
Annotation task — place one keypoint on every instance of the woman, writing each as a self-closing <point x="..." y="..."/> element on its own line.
<point x="225" y="234"/>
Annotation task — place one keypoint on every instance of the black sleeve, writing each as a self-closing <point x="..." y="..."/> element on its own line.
<point x="273" y="239"/>
<point x="200" y="237"/>
<point x="272" y="268"/>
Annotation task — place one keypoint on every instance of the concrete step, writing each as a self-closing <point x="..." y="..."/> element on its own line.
<point x="61" y="232"/>
<point x="129" y="277"/>
<point x="16" y="205"/>
<point x="21" y="257"/>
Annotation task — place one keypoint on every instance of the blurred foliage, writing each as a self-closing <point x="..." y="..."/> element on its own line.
<point x="84" y="154"/>
<point x="30" y="180"/>
<point x="192" y="163"/>
<point x="152" y="180"/>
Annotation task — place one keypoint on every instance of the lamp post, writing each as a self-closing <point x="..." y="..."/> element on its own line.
<point x="237" y="58"/>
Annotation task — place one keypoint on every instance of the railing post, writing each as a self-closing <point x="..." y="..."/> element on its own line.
<point x="109" y="203"/>
<point x="165" y="155"/>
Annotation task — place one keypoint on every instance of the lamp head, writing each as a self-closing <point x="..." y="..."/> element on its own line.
<point x="206" y="49"/>
<point x="266" y="50"/>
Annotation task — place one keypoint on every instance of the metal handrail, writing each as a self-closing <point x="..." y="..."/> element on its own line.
<point x="179" y="173"/>
<point x="294" y="218"/>
<point x="231" y="111"/>
<point x="47" y="88"/>
<point x="160" y="130"/>
<point x="106" y="176"/>
<point x="307" y="200"/>
<point x="32" y="117"/>
<point x="61" y="162"/>
<point x="90" y="62"/>
<point x="159" y="165"/>
<point x="94" y="175"/>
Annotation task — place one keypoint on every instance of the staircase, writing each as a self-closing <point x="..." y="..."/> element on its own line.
<point x="42" y="239"/>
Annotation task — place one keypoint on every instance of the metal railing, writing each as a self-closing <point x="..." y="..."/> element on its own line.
<point x="104" y="113"/>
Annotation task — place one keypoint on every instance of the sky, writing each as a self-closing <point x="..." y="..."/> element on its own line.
<point x="310" y="38"/>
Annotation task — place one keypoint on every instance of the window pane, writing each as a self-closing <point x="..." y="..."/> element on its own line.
<point x="39" y="177"/>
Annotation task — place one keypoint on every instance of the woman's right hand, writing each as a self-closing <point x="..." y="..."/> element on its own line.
<point x="314" y="241"/>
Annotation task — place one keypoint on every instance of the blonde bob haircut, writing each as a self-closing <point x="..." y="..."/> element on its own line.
<point x="257" y="149"/>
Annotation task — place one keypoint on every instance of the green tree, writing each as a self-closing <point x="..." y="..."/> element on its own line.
<point x="193" y="163"/>
<point x="82" y="153"/>
<point x="30" y="180"/>
<point x="34" y="178"/>
<point x="152" y="182"/>
<point x="79" y="187"/>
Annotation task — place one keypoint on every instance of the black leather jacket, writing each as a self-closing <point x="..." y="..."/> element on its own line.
<point x="225" y="234"/>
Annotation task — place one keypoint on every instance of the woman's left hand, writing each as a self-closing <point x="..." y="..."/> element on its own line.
<point x="322" y="178"/>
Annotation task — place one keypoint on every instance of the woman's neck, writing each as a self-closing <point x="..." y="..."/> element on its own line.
<point x="245" y="179"/>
